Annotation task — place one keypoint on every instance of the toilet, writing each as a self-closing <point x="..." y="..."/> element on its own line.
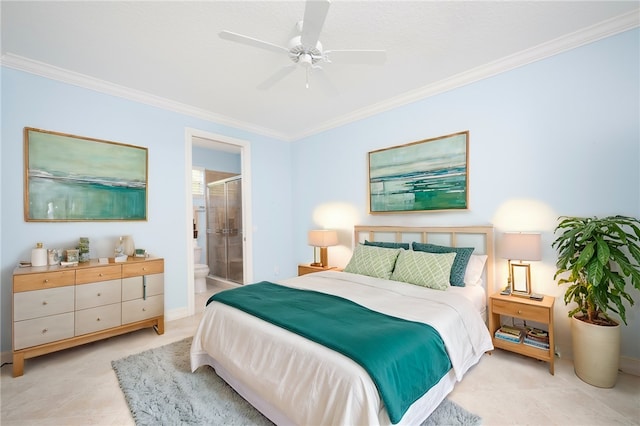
<point x="200" y="270"/>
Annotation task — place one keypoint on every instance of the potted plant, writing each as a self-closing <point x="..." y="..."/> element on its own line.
<point x="600" y="260"/>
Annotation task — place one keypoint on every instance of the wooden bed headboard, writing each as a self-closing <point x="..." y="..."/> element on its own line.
<point x="478" y="237"/>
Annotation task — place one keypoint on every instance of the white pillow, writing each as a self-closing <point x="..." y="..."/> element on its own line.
<point x="473" y="273"/>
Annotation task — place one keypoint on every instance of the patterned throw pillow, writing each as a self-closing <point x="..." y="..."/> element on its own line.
<point x="424" y="269"/>
<point x="459" y="264"/>
<point x="387" y="244"/>
<point x="372" y="261"/>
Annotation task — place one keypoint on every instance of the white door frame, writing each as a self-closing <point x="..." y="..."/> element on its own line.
<point x="247" y="226"/>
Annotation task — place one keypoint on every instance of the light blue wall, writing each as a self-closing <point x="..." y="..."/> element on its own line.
<point x="29" y="100"/>
<point x="557" y="137"/>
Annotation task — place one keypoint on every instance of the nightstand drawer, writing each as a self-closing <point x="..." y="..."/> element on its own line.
<point x="521" y="310"/>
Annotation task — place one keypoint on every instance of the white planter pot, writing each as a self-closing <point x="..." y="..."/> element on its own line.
<point x="596" y="353"/>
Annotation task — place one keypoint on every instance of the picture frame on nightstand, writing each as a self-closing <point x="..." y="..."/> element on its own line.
<point x="520" y="279"/>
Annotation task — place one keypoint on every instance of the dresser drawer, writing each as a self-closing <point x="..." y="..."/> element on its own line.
<point x="145" y="267"/>
<point x="140" y="309"/>
<point x="42" y="303"/>
<point x="98" y="294"/>
<point x="29" y="282"/>
<point x="102" y="273"/>
<point x="134" y="287"/>
<point x="42" y="330"/>
<point x="96" y="319"/>
<point x="521" y="310"/>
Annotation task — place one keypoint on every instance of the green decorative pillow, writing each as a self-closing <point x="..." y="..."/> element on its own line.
<point x="386" y="244"/>
<point x="424" y="269"/>
<point x="372" y="261"/>
<point x="459" y="264"/>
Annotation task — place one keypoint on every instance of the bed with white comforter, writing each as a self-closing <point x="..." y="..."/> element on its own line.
<point x="293" y="380"/>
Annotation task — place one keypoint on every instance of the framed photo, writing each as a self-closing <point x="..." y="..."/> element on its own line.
<point x="74" y="178"/>
<point x="520" y="279"/>
<point x="428" y="175"/>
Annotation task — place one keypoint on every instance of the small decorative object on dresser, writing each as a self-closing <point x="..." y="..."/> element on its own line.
<point x="519" y="339"/>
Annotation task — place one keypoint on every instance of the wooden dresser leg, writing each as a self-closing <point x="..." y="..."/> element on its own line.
<point x="18" y="364"/>
<point x="160" y="325"/>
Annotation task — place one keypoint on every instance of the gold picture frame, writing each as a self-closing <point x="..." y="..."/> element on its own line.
<point x="520" y="279"/>
<point x="423" y="176"/>
<point x="70" y="178"/>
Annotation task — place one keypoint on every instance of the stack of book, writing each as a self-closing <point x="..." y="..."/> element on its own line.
<point x="510" y="334"/>
<point x="536" y="338"/>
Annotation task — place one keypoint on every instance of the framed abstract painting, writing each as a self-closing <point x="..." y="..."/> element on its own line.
<point x="423" y="176"/>
<point x="74" y="178"/>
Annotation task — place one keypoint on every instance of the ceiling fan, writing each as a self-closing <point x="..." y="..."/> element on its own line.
<point x="305" y="49"/>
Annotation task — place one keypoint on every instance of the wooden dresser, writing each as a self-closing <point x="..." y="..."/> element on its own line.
<point x="56" y="307"/>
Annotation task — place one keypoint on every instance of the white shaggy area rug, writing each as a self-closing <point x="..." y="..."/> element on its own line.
<point x="161" y="390"/>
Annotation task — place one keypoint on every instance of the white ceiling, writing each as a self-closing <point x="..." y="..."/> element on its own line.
<point x="169" y="53"/>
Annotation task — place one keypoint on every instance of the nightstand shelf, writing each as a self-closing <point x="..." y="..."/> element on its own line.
<point x="525" y="309"/>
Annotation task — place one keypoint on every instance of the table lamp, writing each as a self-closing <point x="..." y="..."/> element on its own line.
<point x="322" y="238"/>
<point x="520" y="246"/>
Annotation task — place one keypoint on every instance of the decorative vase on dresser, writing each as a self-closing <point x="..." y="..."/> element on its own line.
<point x="57" y="307"/>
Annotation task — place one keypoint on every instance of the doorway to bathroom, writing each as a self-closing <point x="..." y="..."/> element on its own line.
<point x="205" y="150"/>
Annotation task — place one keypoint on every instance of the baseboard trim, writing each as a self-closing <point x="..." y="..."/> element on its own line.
<point x="630" y="365"/>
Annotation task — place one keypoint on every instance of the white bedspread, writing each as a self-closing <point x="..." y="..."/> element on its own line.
<point x="315" y="385"/>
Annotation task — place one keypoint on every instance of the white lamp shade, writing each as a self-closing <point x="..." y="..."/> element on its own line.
<point x="323" y="238"/>
<point x="521" y="246"/>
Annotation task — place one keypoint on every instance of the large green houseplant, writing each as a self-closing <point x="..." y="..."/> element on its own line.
<point x="600" y="260"/>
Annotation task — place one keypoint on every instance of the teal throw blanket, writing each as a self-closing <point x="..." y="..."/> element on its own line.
<point x="404" y="358"/>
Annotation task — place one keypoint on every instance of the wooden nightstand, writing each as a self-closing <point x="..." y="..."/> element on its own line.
<point x="525" y="309"/>
<point x="308" y="269"/>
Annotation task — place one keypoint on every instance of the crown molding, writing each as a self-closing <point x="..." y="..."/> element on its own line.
<point x="576" y="39"/>
<point x="81" y="80"/>
<point x="545" y="50"/>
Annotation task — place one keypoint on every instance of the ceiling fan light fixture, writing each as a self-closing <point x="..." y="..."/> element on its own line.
<point x="305" y="59"/>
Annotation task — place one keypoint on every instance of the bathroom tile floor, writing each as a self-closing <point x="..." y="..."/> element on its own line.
<point x="78" y="387"/>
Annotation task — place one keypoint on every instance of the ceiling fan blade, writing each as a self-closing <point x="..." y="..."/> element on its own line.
<point x="249" y="41"/>
<point x="370" y="57"/>
<point x="315" y="12"/>
<point x="279" y="75"/>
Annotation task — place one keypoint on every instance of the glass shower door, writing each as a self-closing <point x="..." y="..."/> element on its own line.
<point x="234" y="227"/>
<point x="224" y="229"/>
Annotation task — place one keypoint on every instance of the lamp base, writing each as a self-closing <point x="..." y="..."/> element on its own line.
<point x="315" y="264"/>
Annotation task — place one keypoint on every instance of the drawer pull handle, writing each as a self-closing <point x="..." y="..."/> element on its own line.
<point x="100" y="274"/>
<point x="98" y="319"/>
<point x="46" y="281"/>
<point x="519" y="312"/>
<point x="99" y="294"/>
<point x="44" y="331"/>
<point x="144" y="309"/>
<point x="44" y="302"/>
